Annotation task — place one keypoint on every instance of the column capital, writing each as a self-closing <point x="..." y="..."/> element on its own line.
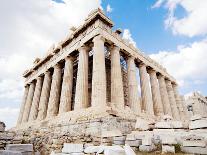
<point x="84" y="47"/>
<point x="141" y="64"/>
<point x="130" y="57"/>
<point x="160" y="76"/>
<point x="151" y="71"/>
<point x="99" y="38"/>
<point x="57" y="66"/>
<point x="114" y="47"/>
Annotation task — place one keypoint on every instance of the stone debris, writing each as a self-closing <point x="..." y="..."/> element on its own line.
<point x="72" y="148"/>
<point x="168" y="149"/>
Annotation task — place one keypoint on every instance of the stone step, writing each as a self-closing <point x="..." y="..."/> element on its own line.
<point x="20" y="147"/>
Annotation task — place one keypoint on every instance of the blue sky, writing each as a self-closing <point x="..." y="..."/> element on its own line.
<point x="174" y="33"/>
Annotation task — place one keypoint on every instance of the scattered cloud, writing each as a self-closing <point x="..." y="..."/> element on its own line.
<point x="29" y="29"/>
<point x="187" y="64"/>
<point x="192" y="24"/>
<point x="127" y="35"/>
<point x="109" y="9"/>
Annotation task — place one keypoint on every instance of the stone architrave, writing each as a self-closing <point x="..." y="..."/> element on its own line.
<point x="44" y="97"/>
<point x="117" y="92"/>
<point x="28" y="102"/>
<point x="134" y="100"/>
<point x="174" y="109"/>
<point x="26" y="90"/>
<point x="36" y="99"/>
<point x="99" y="73"/>
<point x="67" y="85"/>
<point x="164" y="95"/>
<point x="53" y="104"/>
<point x="81" y="93"/>
<point x="158" y="108"/>
<point x="147" y="103"/>
<point x="178" y="101"/>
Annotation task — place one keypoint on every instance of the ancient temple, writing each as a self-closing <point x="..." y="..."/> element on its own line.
<point x="92" y="74"/>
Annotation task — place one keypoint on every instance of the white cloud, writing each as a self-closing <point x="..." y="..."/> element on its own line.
<point x="9" y="116"/>
<point x="109" y="9"/>
<point x="193" y="23"/>
<point x="127" y="35"/>
<point x="188" y="64"/>
<point x="28" y="29"/>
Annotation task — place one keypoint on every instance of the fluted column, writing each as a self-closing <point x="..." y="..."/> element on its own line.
<point x="44" y="97"/>
<point x="99" y="73"/>
<point x="158" y="108"/>
<point x="178" y="102"/>
<point x="53" y="104"/>
<point x="67" y="85"/>
<point x="28" y="102"/>
<point x="26" y="90"/>
<point x="36" y="99"/>
<point x="133" y="96"/>
<point x="173" y="104"/>
<point x="81" y="93"/>
<point x="117" y="92"/>
<point x="145" y="90"/>
<point x="164" y="95"/>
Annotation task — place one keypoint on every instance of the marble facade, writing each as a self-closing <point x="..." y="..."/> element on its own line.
<point x="73" y="79"/>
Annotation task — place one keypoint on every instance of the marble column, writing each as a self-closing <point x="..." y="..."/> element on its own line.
<point x="133" y="97"/>
<point x="26" y="90"/>
<point x="158" y="108"/>
<point x="164" y="95"/>
<point x="67" y="85"/>
<point x="99" y="73"/>
<point x="178" y="102"/>
<point x="117" y="92"/>
<point x="44" y="97"/>
<point x="81" y="93"/>
<point x="28" y="104"/>
<point x="36" y="99"/>
<point x="147" y="103"/>
<point x="53" y="104"/>
<point x="174" y="108"/>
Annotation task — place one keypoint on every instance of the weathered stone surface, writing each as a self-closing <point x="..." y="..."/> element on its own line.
<point x="194" y="143"/>
<point x="163" y="125"/>
<point x="198" y="124"/>
<point x="9" y="152"/>
<point x="168" y="149"/>
<point x="141" y="124"/>
<point x="169" y="140"/>
<point x="20" y="147"/>
<point x="147" y="141"/>
<point x="134" y="143"/>
<point x="72" y="148"/>
<point x="128" y="150"/>
<point x="147" y="148"/>
<point x="196" y="150"/>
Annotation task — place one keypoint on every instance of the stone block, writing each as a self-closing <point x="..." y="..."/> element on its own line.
<point x="119" y="142"/>
<point x="114" y="150"/>
<point x="141" y="124"/>
<point x="144" y="148"/>
<point x="194" y="150"/>
<point x="9" y="152"/>
<point x="130" y="137"/>
<point x="20" y="147"/>
<point x="94" y="149"/>
<point x="177" y="124"/>
<point x="163" y="125"/>
<point x="194" y="143"/>
<point x="72" y="148"/>
<point x="169" y="140"/>
<point x="168" y="149"/>
<point x="129" y="150"/>
<point x="195" y="117"/>
<point x="120" y="138"/>
<point x="198" y="124"/>
<point x="134" y="143"/>
<point x="147" y="141"/>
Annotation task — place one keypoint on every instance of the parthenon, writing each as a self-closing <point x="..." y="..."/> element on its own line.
<point x="94" y="73"/>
